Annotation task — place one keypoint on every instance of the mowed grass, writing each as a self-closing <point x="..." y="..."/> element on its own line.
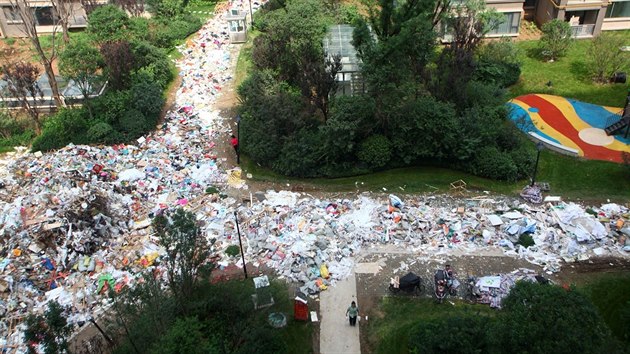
<point x="391" y="324"/>
<point x="569" y="76"/>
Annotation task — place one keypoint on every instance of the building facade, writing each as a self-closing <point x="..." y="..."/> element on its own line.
<point x="45" y="15"/>
<point x="587" y="17"/>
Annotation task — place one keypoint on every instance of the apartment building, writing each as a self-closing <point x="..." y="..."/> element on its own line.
<point x="587" y="17"/>
<point x="45" y="15"/>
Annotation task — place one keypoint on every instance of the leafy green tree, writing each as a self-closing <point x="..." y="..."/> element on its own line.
<point x="80" y="61"/>
<point x="187" y="251"/>
<point x="119" y="62"/>
<point x="291" y="45"/>
<point x="187" y="335"/>
<point x="549" y="319"/>
<point x="605" y="56"/>
<point x="556" y="39"/>
<point x="50" y="330"/>
<point x="108" y="23"/>
<point x="458" y="334"/>
<point x="468" y="22"/>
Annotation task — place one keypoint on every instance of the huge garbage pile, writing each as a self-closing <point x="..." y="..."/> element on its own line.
<point x="76" y="223"/>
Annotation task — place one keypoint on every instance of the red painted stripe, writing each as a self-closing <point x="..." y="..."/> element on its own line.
<point x="554" y="117"/>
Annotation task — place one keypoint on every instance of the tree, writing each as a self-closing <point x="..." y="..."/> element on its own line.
<point x="80" y="61"/>
<point x="187" y="335"/>
<point x="29" y="27"/>
<point x="468" y="22"/>
<point x="556" y="39"/>
<point x="540" y="318"/>
<point x="186" y="250"/>
<point x="50" y="330"/>
<point x="119" y="61"/>
<point x="21" y="81"/>
<point x="605" y="56"/>
<point x="134" y="7"/>
<point x="108" y="24"/>
<point x="63" y="10"/>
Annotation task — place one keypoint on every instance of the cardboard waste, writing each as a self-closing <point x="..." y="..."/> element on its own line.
<point x="75" y="223"/>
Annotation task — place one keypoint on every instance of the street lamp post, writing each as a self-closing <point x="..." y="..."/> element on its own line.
<point x="251" y="15"/>
<point x="238" y="138"/>
<point x="238" y="230"/>
<point x="539" y="147"/>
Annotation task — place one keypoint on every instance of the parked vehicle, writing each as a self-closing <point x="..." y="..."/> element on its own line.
<point x="410" y="283"/>
<point x="445" y="283"/>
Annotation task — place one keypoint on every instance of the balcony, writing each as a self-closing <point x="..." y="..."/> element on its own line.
<point x="581" y="31"/>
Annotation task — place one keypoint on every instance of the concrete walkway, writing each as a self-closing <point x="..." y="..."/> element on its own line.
<point x="335" y="335"/>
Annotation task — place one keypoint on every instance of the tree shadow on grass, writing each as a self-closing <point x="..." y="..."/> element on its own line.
<point x="579" y="70"/>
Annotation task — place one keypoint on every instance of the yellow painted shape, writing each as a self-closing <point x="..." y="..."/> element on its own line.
<point x="546" y="128"/>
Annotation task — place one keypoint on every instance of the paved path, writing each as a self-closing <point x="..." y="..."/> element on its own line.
<point x="336" y="336"/>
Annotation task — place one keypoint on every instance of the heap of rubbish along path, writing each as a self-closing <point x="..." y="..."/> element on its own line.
<point x="76" y="222"/>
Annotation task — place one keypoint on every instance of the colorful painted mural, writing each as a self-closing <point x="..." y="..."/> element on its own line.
<point x="574" y="125"/>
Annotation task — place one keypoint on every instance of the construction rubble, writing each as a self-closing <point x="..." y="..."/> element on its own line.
<point x="76" y="223"/>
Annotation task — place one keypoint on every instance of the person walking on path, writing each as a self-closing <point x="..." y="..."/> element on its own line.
<point x="234" y="142"/>
<point x="352" y="312"/>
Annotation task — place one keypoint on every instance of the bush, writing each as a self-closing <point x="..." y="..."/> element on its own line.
<point x="67" y="126"/>
<point x="132" y="124"/>
<point x="556" y="39"/>
<point x="492" y="163"/>
<point x="461" y="333"/>
<point x="526" y="240"/>
<point x="147" y="98"/>
<point x="499" y="73"/>
<point x="111" y="106"/>
<point x="152" y="63"/>
<point x="232" y="250"/>
<point x="108" y="23"/>
<point x="375" y="151"/>
<point x="103" y="133"/>
<point x="300" y="155"/>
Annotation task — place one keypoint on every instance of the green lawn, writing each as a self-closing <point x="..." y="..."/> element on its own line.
<point x="569" y="76"/>
<point x="611" y="293"/>
<point x="388" y="332"/>
<point x="568" y="177"/>
<point x="244" y="63"/>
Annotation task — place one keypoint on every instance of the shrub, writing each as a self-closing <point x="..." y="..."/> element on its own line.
<point x="67" y="126"/>
<point x="556" y="39"/>
<point x="108" y="23"/>
<point x="501" y="51"/>
<point x="152" y="63"/>
<point x="146" y="97"/>
<point x="232" y="250"/>
<point x="375" y="151"/>
<point x="300" y="155"/>
<point x="605" y="57"/>
<point x="501" y="74"/>
<point x="435" y="335"/>
<point x="494" y="164"/>
<point x="111" y="106"/>
<point x="132" y="124"/>
<point x="526" y="240"/>
<point x="103" y="133"/>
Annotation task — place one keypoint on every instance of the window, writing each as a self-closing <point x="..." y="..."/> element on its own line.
<point x="618" y="9"/>
<point x="509" y="25"/>
<point x="12" y="15"/>
<point x="45" y="16"/>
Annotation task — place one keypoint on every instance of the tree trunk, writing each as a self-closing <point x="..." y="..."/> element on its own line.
<point x="49" y="72"/>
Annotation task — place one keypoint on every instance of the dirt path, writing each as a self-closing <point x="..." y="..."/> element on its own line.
<point x="336" y="334"/>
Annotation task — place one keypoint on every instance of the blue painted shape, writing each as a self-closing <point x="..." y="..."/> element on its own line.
<point x="533" y="109"/>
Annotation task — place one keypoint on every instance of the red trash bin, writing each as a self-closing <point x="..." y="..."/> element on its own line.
<point x="300" y="309"/>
